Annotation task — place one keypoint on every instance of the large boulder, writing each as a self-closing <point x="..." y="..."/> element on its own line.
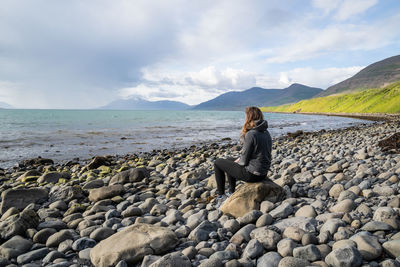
<point x="105" y="192"/>
<point x="250" y="195"/>
<point x="132" y="244"/>
<point x="130" y="176"/>
<point x="18" y="224"/>
<point x="20" y="198"/>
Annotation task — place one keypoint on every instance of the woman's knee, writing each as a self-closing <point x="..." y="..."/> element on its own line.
<point x="217" y="162"/>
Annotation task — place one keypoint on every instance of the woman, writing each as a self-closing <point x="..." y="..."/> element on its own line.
<point x="255" y="160"/>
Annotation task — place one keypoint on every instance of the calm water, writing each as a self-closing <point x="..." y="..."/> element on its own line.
<point x="66" y="134"/>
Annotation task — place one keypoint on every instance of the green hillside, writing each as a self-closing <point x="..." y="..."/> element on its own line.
<point x="381" y="100"/>
<point x="376" y="75"/>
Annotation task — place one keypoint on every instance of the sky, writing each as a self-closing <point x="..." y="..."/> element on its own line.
<point x="86" y="53"/>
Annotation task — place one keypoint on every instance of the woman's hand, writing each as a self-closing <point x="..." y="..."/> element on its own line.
<point x="237" y="160"/>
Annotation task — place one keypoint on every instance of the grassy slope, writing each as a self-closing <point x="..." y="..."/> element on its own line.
<point x="382" y="100"/>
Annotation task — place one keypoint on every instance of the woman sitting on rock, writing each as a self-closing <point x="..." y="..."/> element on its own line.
<point x="255" y="160"/>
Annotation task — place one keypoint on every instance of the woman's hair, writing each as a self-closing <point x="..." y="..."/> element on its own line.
<point x="252" y="114"/>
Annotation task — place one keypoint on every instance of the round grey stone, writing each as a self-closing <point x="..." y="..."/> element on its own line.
<point x="344" y="257"/>
<point x="253" y="250"/>
<point x="269" y="259"/>
<point x="293" y="262"/>
<point x="309" y="252"/>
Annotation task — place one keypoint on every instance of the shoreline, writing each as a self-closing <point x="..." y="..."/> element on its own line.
<point x="363" y="116"/>
<point x="226" y="141"/>
<point x="85" y="145"/>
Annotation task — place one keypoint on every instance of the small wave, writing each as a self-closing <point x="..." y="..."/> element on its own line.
<point x="293" y="124"/>
<point x="95" y="133"/>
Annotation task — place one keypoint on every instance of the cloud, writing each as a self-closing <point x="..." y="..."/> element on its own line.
<point x="79" y="54"/>
<point x="344" y="9"/>
<point x="326" y="6"/>
<point x="309" y="43"/>
<point x="73" y="46"/>
<point x="190" y="87"/>
<point x="209" y="82"/>
<point x="349" y="8"/>
<point x="322" y="78"/>
<point x="206" y="77"/>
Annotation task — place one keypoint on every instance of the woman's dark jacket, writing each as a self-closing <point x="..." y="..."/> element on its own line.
<point x="256" y="152"/>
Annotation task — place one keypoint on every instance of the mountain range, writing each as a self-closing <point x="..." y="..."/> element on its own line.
<point x="257" y="96"/>
<point x="141" y="104"/>
<point x="375" y="89"/>
<point x="236" y="100"/>
<point x="376" y="75"/>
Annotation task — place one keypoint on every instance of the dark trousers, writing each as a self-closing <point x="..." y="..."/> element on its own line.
<point x="234" y="172"/>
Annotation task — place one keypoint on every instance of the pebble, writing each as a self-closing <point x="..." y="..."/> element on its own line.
<point x="263" y="220"/>
<point x="344" y="243"/>
<point x="253" y="250"/>
<point x="268" y="238"/>
<point x="306" y="211"/>
<point x="212" y="262"/>
<point x="293" y="262"/>
<point x="269" y="259"/>
<point x="32" y="255"/>
<point x="392" y="247"/>
<point x="286" y="246"/>
<point x="344" y="257"/>
<point x="294" y="233"/>
<point x="345" y="205"/>
<point x="368" y="245"/>
<point x="310" y="253"/>
<point x="282" y="211"/>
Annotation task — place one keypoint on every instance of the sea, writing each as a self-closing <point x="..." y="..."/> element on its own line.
<point x="63" y="135"/>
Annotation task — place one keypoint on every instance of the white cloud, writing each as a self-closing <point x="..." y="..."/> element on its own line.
<point x="209" y="82"/>
<point x="308" y="43"/>
<point x="349" y="8"/>
<point x="226" y="79"/>
<point x="189" y="87"/>
<point x="344" y="9"/>
<point x="326" y="6"/>
<point x="206" y="77"/>
<point x="321" y="78"/>
<point x="188" y="94"/>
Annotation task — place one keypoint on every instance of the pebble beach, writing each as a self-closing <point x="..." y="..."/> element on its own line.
<point x="341" y="207"/>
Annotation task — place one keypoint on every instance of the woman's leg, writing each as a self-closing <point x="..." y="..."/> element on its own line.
<point x="232" y="169"/>
<point x="219" y="177"/>
<point x="251" y="178"/>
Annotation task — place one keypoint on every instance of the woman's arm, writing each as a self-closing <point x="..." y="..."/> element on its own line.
<point x="247" y="149"/>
